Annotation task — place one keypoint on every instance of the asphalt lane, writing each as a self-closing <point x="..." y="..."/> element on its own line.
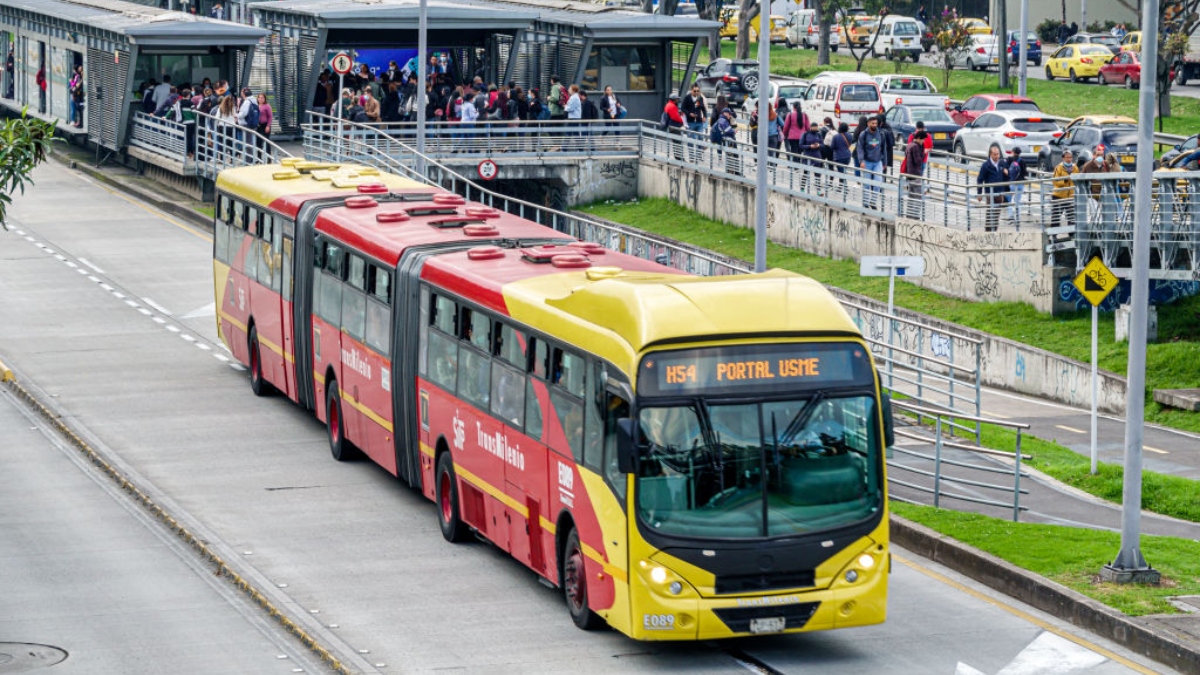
<point x="108" y="313"/>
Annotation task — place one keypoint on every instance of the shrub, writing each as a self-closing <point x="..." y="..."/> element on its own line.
<point x="1047" y="31"/>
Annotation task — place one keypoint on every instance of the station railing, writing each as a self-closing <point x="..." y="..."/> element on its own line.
<point x="159" y="135"/>
<point x="206" y="144"/>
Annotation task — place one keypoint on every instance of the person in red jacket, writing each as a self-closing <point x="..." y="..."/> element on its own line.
<point x="793" y="128"/>
<point x="672" y="122"/>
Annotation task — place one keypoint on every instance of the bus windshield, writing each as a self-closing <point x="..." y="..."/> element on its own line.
<point x="751" y="461"/>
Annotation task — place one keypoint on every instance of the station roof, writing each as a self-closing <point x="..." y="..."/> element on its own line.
<point x="597" y="19"/>
<point x="142" y="24"/>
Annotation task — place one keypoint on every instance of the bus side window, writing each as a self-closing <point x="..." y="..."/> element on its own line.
<point x="445" y="315"/>
<point x="443" y="343"/>
<point x="533" y="409"/>
<point x="568" y="371"/>
<point x="593" y="423"/>
<point x="423" y="328"/>
<point x="238" y="215"/>
<point x="354" y="299"/>
<point x="569" y="412"/>
<point x="379" y="309"/>
<point x="252" y="221"/>
<point x="328" y="288"/>
<point x="221" y="240"/>
<point x="541" y="356"/>
<point x="285" y="268"/>
<point x="251" y="255"/>
<point x="509" y="344"/>
<point x="268" y="272"/>
<point x="508" y="393"/>
<point x="615" y="408"/>
<point x="476" y="328"/>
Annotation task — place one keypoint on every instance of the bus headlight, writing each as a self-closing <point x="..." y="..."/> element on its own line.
<point x="851" y="576"/>
<point x="658" y="575"/>
<point x="866" y="561"/>
<point x="662" y="580"/>
<point x="675" y="588"/>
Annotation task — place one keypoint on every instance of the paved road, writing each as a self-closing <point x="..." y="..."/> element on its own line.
<point x="108" y="314"/>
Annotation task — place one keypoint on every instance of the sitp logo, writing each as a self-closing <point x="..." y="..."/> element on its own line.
<point x="460" y="431"/>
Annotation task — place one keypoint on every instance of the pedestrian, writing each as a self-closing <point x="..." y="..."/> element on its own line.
<point x="793" y="128"/>
<point x="371" y="105"/>
<point x="161" y="92"/>
<point x="226" y="126"/>
<point x="537" y="107"/>
<point x="774" y="130"/>
<point x="1094" y="164"/>
<point x="266" y="117"/>
<point x="1063" y="196"/>
<point x="889" y="142"/>
<point x="724" y="132"/>
<point x="992" y="181"/>
<point x="858" y="132"/>
<point x="590" y="114"/>
<point x="870" y="153"/>
<point x="695" y="111"/>
<point x="573" y="110"/>
<point x="810" y="149"/>
<point x="672" y="123"/>
<point x="217" y="11"/>
<point x="610" y="105"/>
<point x="922" y="15"/>
<point x="10" y="74"/>
<point x="1017" y="175"/>
<point x="913" y="168"/>
<point x="75" y="91"/>
<point x="557" y="101"/>
<point x="840" y="147"/>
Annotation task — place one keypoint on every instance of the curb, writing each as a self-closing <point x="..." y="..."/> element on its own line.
<point x="1047" y="596"/>
<point x="142" y="194"/>
<point x="6" y="375"/>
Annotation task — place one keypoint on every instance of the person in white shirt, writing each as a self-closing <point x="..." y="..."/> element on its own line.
<point x="162" y="92"/>
<point x="244" y="106"/>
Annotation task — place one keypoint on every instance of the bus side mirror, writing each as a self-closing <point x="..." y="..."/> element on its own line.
<point x="626" y="449"/>
<point x="889" y="426"/>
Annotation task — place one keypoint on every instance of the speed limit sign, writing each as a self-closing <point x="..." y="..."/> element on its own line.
<point x="488" y="169"/>
<point x="341" y="63"/>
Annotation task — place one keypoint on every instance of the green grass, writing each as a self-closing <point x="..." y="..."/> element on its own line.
<point x="208" y="211"/>
<point x="1073" y="556"/>
<point x="1057" y="98"/>
<point x="1171" y="363"/>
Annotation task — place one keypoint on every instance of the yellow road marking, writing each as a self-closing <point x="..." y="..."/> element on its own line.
<point x="1071" y="429"/>
<point x="1026" y="616"/>
<point x="1153" y="449"/>
<point x="999" y="416"/>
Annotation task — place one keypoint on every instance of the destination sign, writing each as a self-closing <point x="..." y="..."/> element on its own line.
<point x="771" y="368"/>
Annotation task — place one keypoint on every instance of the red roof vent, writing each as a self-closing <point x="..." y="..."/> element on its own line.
<point x="372" y="189"/>
<point x="482" y="212"/>
<point x="485" y="253"/>
<point x="443" y="223"/>
<point x="588" y="247"/>
<point x="449" y="198"/>
<point x="570" y="261"/>
<point x="481" y="230"/>
<point x="543" y="254"/>
<point x="361" y="202"/>
<point x="391" y="217"/>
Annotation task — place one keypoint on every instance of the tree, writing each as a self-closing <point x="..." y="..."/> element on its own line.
<point x="24" y="142"/>
<point x="875" y="8"/>
<point x="710" y="11"/>
<point x="952" y="40"/>
<point x="747" y="11"/>
<point x="1176" y="23"/>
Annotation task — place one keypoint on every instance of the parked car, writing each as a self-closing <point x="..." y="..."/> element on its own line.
<point x="1098" y="121"/>
<point x="842" y="96"/>
<point x="927" y="38"/>
<point x="975" y="26"/>
<point x="1077" y="62"/>
<point x="899" y="36"/>
<point x="1111" y="41"/>
<point x="981" y="103"/>
<point x="862" y="28"/>
<point x="1033" y="47"/>
<point x="792" y="91"/>
<point x="1132" y="42"/>
<point x="729" y="27"/>
<point x="1189" y="145"/>
<point x="735" y="79"/>
<point x="1125" y="68"/>
<point x="903" y="120"/>
<point x="802" y="30"/>
<point x="981" y="54"/>
<point x="1082" y="139"/>
<point x="1011" y="129"/>
<point x="909" y="90"/>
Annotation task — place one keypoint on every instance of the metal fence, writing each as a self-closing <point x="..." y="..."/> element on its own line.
<point x="206" y="144"/>
<point x="955" y="470"/>
<point x="159" y="135"/>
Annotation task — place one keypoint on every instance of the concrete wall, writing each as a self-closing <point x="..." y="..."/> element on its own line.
<point x="975" y="266"/>
<point x="562" y="184"/>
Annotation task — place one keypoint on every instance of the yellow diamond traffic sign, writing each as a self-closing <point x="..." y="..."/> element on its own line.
<point x="1096" y="281"/>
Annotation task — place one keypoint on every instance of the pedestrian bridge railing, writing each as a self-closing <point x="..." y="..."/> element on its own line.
<point x="204" y="145"/>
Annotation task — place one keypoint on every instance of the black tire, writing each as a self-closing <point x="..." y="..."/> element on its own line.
<point x="1180" y="75"/>
<point x="1045" y="164"/>
<point x="833" y="49"/>
<point x="887" y="54"/>
<point x="960" y="149"/>
<point x="258" y="384"/>
<point x="750" y="82"/>
<point x="339" y="446"/>
<point x="574" y="584"/>
<point x="1049" y="75"/>
<point x="453" y="528"/>
<point x="1128" y="82"/>
<point x="916" y="57"/>
<point x="1074" y="78"/>
<point x="1037" y="63"/>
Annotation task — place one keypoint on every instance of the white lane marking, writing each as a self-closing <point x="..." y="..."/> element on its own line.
<point x="1048" y="653"/>
<point x="70" y="264"/>
<point x="21" y="232"/>
<point x="61" y="257"/>
<point x="1071" y="429"/>
<point x="221" y="357"/>
<point x="203" y="346"/>
<point x="81" y="271"/>
<point x="159" y="320"/>
<point x="208" y="310"/>
<point x="157" y="306"/>
<point x="173" y="329"/>
<point x="145" y="312"/>
<point x="132" y="304"/>
<point x="92" y="265"/>
<point x="93" y="278"/>
<point x="187" y="337"/>
<point x="106" y="286"/>
<point x="998" y="416"/>
<point x="1154" y="449"/>
<point x="118" y="295"/>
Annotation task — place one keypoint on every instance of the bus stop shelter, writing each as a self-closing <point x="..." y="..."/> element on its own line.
<point x="119" y="45"/>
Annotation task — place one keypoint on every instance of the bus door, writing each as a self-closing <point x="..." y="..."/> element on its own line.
<point x="263" y="263"/>
<point x="286" y="254"/>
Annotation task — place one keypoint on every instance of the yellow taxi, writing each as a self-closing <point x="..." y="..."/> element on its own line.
<point x="1099" y="121"/>
<point x="975" y="26"/>
<point x="862" y="28"/>
<point x="1078" y="62"/>
<point x="1132" y="42"/>
<point x="729" y="26"/>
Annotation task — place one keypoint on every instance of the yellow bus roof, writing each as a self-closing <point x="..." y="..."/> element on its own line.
<point x="617" y="315"/>
<point x="272" y="184"/>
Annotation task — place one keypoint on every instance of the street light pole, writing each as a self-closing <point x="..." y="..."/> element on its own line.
<point x="422" y="74"/>
<point x="1002" y="43"/>
<point x="1129" y="565"/>
<point x="764" y="118"/>
<point x="1024" y="47"/>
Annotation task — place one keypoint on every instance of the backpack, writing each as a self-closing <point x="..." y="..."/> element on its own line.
<point x="252" y="115"/>
<point x="564" y="96"/>
<point x="714" y="136"/>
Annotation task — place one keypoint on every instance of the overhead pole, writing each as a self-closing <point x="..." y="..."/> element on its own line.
<point x="1002" y="43"/>
<point x="1130" y="566"/>
<point x="1024" y="62"/>
<point x="422" y="74"/>
<point x="764" y="115"/>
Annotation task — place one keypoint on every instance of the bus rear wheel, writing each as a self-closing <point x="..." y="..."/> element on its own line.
<point x="258" y="384"/>
<point x="574" y="584"/>
<point x="453" y="528"/>
<point x="341" y="448"/>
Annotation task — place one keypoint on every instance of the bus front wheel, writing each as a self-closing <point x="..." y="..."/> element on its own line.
<point x="574" y="584"/>
<point x="453" y="528"/>
<point x="341" y="448"/>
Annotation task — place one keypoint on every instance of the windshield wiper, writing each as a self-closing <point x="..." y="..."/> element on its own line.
<point x="710" y="435"/>
<point x="801" y="419"/>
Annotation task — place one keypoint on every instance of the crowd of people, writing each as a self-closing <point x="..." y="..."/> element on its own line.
<point x="229" y="112"/>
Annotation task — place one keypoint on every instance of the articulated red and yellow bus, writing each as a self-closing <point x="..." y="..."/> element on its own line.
<point x="685" y="457"/>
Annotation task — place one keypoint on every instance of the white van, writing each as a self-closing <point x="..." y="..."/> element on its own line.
<point x="842" y="96"/>
<point x="804" y="31"/>
<point x="899" y="36"/>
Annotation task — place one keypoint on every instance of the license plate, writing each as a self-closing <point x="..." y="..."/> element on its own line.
<point x="906" y="41"/>
<point x="995" y="60"/>
<point x="771" y="625"/>
<point x="939" y="137"/>
<point x="1037" y="148"/>
<point x="1127" y="160"/>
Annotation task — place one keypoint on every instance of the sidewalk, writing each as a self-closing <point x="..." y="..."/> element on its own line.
<point x="1171" y="640"/>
